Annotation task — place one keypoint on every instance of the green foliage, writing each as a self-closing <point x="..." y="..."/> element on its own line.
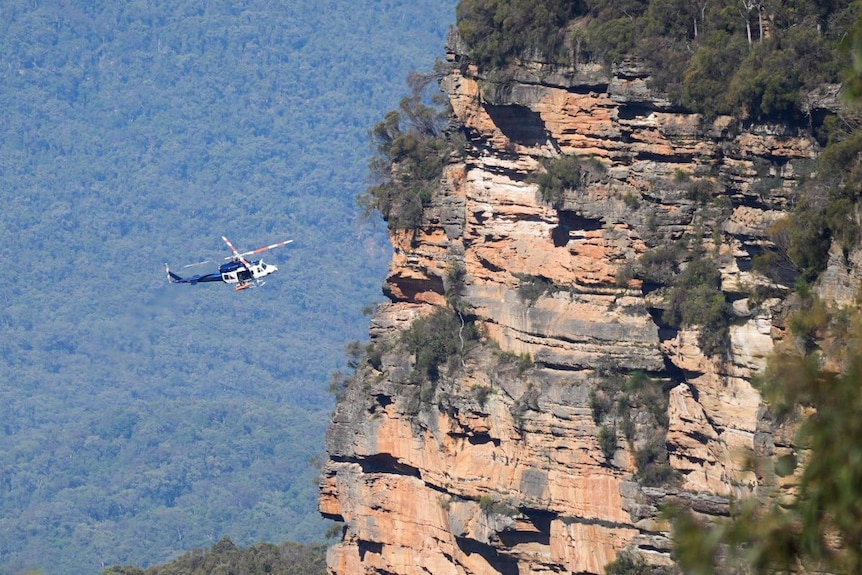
<point x="436" y="339"/>
<point x="456" y="275"/>
<point x="802" y="242"/>
<point x="608" y="441"/>
<point x="660" y="265"/>
<point x="852" y="48"/>
<point x="600" y="405"/>
<point x="810" y="321"/>
<point x="498" y="31"/>
<point x="482" y="393"/>
<point x="827" y="212"/>
<point x="714" y="57"/>
<point x="565" y="173"/>
<point x="630" y="563"/>
<point x="523" y="361"/>
<point x="652" y="462"/>
<point x="411" y="152"/>
<point x="622" y="398"/>
<point x="612" y="40"/>
<point x="770" y="81"/>
<point x="531" y="288"/>
<point x="696" y="299"/>
<point x="700" y="191"/>
<point x="491" y="506"/>
<point x="820" y="529"/>
<point x="225" y="557"/>
<point x="632" y="201"/>
<point x="357" y="355"/>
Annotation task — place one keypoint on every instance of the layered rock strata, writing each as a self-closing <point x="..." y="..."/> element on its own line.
<point x="498" y="466"/>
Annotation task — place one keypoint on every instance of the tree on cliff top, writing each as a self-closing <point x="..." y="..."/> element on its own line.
<point x="751" y="59"/>
<point x="498" y="30"/>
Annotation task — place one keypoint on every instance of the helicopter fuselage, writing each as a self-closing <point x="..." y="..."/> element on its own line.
<point x="235" y="272"/>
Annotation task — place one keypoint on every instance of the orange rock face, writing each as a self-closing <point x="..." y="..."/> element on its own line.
<point x="497" y="466"/>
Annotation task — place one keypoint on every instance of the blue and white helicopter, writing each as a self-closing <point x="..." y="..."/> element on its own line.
<point x="238" y="271"/>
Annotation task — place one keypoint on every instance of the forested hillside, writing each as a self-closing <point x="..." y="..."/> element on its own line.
<point x="138" y="419"/>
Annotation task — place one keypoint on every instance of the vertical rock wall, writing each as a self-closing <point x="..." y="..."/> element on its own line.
<point x="497" y="467"/>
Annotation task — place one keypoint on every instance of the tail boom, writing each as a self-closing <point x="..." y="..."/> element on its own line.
<point x="176" y="279"/>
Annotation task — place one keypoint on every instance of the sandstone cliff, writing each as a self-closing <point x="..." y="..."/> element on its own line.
<point x="531" y="452"/>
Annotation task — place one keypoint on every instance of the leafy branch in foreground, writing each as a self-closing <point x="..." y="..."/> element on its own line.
<point x="820" y="528"/>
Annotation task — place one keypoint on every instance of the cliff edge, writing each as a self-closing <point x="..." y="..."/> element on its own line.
<point x="572" y="405"/>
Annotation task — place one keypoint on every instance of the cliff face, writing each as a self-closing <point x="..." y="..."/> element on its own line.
<point x="507" y="466"/>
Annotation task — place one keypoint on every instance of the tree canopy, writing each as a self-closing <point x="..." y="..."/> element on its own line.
<point x="755" y="59"/>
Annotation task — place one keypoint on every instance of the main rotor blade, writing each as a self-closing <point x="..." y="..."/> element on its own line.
<point x="230" y="245"/>
<point x="236" y="253"/>
<point x="263" y="249"/>
<point x="198" y="263"/>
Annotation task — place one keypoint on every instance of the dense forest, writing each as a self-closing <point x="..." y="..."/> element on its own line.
<point x="139" y="420"/>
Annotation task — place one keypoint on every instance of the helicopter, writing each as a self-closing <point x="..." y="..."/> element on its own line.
<point x="238" y="270"/>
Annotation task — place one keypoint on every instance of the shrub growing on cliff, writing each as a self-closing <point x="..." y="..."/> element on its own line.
<point x="411" y="152"/>
<point x="600" y="405"/>
<point x="492" y="506"/>
<point x="560" y="174"/>
<point x="531" y="288"/>
<point x="564" y="173"/>
<point x="828" y="212"/>
<point x="625" y="400"/>
<point x="435" y="339"/>
<point x="696" y="299"/>
<point x="631" y="563"/>
<point x="654" y="468"/>
<point x="608" y="441"/>
<point x="521" y="361"/>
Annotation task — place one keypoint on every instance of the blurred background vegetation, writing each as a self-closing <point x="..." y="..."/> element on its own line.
<point x="139" y="420"/>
